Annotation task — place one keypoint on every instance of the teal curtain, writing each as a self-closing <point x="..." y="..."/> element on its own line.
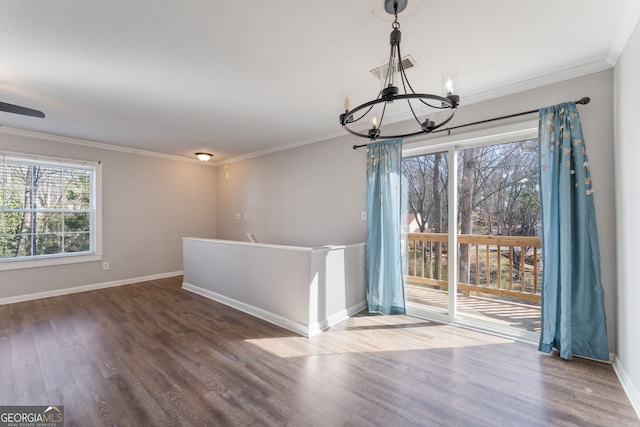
<point x="573" y="318"/>
<point x="385" y="287"/>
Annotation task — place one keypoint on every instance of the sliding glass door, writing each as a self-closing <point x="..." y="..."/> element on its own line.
<point x="426" y="230"/>
<point x="491" y="279"/>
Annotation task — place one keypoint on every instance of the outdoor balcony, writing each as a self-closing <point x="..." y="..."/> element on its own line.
<point x="499" y="277"/>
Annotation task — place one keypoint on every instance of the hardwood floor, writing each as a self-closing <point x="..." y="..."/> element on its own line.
<point x="151" y="354"/>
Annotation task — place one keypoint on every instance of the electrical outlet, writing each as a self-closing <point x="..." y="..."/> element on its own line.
<point x="105" y="266"/>
<point x="364" y="215"/>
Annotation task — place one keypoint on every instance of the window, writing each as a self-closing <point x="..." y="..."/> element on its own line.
<point x="47" y="211"/>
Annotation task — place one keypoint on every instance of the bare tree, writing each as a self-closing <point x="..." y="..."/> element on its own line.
<point x="418" y="172"/>
<point x="465" y="206"/>
<point x="33" y="222"/>
<point x="437" y="211"/>
<point x="497" y="194"/>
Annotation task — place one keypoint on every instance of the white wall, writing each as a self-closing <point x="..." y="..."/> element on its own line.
<point x="314" y="195"/>
<point x="305" y="290"/>
<point x="149" y="204"/>
<point x="627" y="154"/>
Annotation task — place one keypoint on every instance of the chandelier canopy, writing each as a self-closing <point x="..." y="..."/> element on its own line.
<point x="422" y="106"/>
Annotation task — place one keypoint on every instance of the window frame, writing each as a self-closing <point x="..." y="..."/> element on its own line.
<point x="95" y="251"/>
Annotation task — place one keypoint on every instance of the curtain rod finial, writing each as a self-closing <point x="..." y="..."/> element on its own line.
<point x="584" y="101"/>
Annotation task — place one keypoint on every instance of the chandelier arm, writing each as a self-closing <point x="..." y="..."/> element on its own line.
<point x="404" y="135"/>
<point x="387" y="77"/>
<point x="376" y="101"/>
<point x="453" y="112"/>
<point x="415" y="116"/>
<point x="363" y="114"/>
<point x="367" y="105"/>
<point x="435" y="106"/>
<point x="420" y="132"/>
<point x="370" y="104"/>
<point x="345" y="117"/>
<point x="405" y="82"/>
<point x="366" y="135"/>
<point x="384" y="108"/>
<point x="403" y="77"/>
<point x="403" y="72"/>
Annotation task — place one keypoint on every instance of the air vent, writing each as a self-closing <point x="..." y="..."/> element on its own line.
<point x="407" y="63"/>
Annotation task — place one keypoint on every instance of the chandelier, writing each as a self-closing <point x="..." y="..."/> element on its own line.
<point x="422" y="106"/>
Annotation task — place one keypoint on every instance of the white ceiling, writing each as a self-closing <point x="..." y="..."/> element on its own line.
<point x="239" y="77"/>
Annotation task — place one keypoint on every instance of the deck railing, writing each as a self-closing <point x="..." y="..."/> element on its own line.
<point x="502" y="266"/>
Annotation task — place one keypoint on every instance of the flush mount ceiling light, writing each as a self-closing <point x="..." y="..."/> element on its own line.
<point x="422" y="106"/>
<point x="205" y="157"/>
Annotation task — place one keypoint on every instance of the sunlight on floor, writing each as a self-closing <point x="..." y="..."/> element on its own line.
<point x="365" y="334"/>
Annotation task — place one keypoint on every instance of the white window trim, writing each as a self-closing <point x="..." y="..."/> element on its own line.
<point x="492" y="136"/>
<point x="68" y="258"/>
<point x="48" y="262"/>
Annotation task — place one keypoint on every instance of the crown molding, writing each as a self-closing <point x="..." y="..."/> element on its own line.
<point x="556" y="76"/>
<point x="271" y="150"/>
<point x="96" y="145"/>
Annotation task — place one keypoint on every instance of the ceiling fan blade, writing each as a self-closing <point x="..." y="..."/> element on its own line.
<point x="16" y="109"/>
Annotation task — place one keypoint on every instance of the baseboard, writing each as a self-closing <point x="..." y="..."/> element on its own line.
<point x="276" y="319"/>
<point x="249" y="309"/>
<point x="345" y="314"/>
<point x="336" y="318"/>
<point x="76" y="289"/>
<point x="627" y="385"/>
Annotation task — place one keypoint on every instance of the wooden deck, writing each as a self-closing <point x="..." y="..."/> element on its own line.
<point x="520" y="316"/>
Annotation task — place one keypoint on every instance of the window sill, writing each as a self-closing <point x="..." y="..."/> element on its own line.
<point x="48" y="262"/>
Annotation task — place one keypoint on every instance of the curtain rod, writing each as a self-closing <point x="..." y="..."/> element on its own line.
<point x="582" y="101"/>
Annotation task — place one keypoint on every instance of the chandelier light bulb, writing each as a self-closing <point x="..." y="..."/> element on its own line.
<point x="345" y="99"/>
<point x="449" y="86"/>
<point x="449" y="82"/>
<point x="374" y="132"/>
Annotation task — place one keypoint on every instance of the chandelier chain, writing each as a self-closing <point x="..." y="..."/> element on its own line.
<point x="396" y="24"/>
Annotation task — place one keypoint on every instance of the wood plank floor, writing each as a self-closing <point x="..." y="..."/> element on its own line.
<point x="151" y="354"/>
